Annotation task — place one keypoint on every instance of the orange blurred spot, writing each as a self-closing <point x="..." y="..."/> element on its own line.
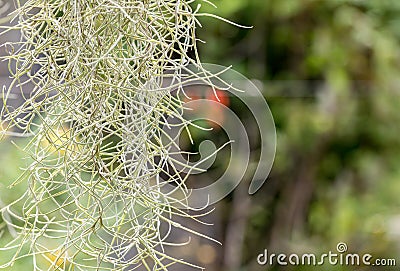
<point x="218" y="96"/>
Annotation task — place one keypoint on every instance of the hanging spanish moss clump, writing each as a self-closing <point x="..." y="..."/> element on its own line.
<point x="105" y="77"/>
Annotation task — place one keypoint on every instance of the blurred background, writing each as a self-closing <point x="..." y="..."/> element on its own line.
<point x="329" y="71"/>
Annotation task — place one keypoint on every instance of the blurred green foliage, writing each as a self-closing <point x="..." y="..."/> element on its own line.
<point x="329" y="71"/>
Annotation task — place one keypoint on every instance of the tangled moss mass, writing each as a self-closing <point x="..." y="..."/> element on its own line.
<point x="94" y="115"/>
